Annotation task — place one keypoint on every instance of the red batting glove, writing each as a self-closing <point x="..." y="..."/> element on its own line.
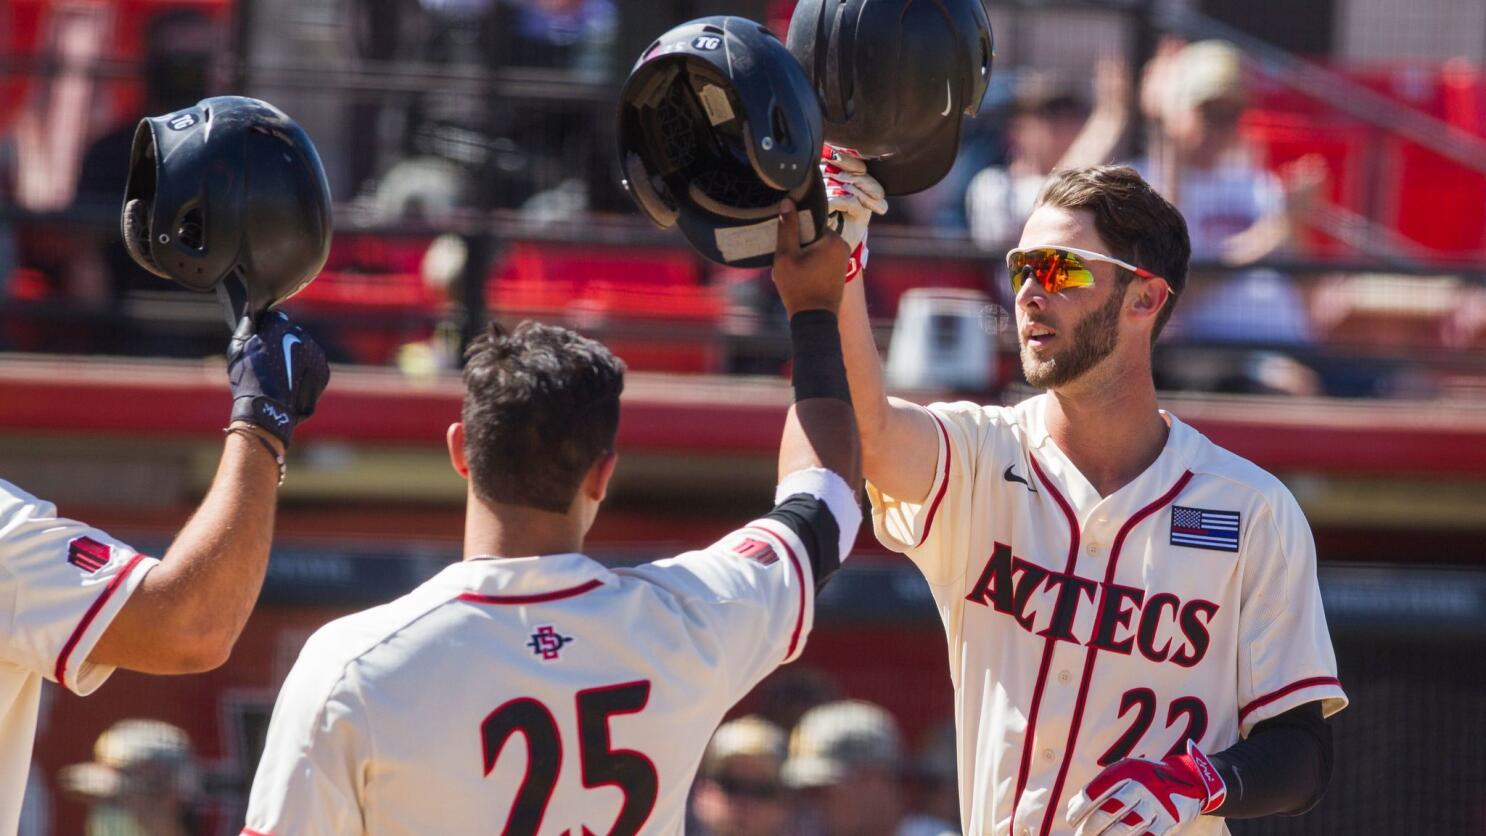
<point x="852" y="197"/>
<point x="1139" y="797"/>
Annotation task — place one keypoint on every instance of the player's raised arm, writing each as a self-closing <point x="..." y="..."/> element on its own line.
<point x="820" y="453"/>
<point x="188" y="611"/>
<point x="267" y="240"/>
<point x="821" y="428"/>
<point x="900" y="444"/>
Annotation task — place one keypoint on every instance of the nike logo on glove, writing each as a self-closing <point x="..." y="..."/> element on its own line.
<point x="949" y="98"/>
<point x="289" y="341"/>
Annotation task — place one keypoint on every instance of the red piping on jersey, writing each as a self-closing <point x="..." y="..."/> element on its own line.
<point x="943" y="483"/>
<point x="1047" y="648"/>
<point x="1260" y="702"/>
<point x="1091" y="653"/>
<point x="247" y="832"/>
<point x="794" y="638"/>
<point x="539" y="598"/>
<point x="87" y="620"/>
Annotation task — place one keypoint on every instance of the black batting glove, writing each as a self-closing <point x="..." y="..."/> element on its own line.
<point x="277" y="373"/>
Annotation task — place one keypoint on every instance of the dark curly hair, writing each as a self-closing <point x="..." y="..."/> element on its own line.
<point x="541" y="405"/>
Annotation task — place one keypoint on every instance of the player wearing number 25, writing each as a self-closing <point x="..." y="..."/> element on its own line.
<point x="1136" y="637"/>
<point x="529" y="689"/>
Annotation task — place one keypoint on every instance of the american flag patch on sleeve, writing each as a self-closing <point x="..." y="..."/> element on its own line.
<point x="1204" y="529"/>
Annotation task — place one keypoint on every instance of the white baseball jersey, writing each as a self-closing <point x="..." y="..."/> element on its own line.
<point x="61" y="584"/>
<point x="545" y="695"/>
<point x="1083" y="630"/>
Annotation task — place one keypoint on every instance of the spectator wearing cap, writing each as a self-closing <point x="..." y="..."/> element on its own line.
<point x="1193" y="97"/>
<point x="1238" y="213"/>
<point x="142" y="781"/>
<point x="847" y="759"/>
<point x="738" y="791"/>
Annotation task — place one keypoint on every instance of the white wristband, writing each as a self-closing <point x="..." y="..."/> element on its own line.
<point x="831" y="489"/>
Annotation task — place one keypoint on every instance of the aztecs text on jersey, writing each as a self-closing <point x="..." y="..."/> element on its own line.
<point x="1084" y="629"/>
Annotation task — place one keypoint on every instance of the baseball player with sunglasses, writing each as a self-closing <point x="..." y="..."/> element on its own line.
<point x="1136" y="637"/>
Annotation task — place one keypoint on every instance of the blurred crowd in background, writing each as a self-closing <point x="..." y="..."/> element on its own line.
<point x="1337" y="207"/>
<point x="842" y="769"/>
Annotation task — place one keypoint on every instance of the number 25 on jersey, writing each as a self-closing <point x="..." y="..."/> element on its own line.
<point x="630" y="771"/>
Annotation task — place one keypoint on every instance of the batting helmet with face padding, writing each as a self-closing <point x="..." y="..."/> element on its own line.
<point x="717" y="125"/>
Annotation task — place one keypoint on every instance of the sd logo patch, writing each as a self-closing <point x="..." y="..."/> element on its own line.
<point x="756" y="550"/>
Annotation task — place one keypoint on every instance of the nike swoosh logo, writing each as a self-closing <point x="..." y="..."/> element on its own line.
<point x="1010" y="475"/>
<point x="289" y="341"/>
<point x="949" y="98"/>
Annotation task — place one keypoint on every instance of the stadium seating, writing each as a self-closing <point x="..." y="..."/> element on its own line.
<point x="1425" y="197"/>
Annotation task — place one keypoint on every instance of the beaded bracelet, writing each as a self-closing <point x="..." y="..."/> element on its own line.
<point x="269" y="448"/>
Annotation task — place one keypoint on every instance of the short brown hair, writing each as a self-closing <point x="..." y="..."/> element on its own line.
<point x="1133" y="219"/>
<point x="541" y="405"/>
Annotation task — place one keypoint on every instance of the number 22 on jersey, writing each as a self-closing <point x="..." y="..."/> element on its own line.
<point x="600" y="765"/>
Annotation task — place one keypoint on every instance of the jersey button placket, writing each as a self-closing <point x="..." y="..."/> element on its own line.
<point x="1093" y="546"/>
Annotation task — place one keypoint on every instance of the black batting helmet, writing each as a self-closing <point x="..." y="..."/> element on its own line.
<point x="231" y="185"/>
<point x="894" y="78"/>
<point x="717" y="125"/>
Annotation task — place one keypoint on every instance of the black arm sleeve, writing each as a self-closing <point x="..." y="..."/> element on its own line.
<point x="811" y="521"/>
<point x="819" y="369"/>
<point x="1282" y="768"/>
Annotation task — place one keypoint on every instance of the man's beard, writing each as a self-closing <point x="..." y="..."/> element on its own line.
<point x="1092" y="340"/>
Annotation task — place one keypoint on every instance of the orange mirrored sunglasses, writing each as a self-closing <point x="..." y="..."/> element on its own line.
<point x="1059" y="268"/>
